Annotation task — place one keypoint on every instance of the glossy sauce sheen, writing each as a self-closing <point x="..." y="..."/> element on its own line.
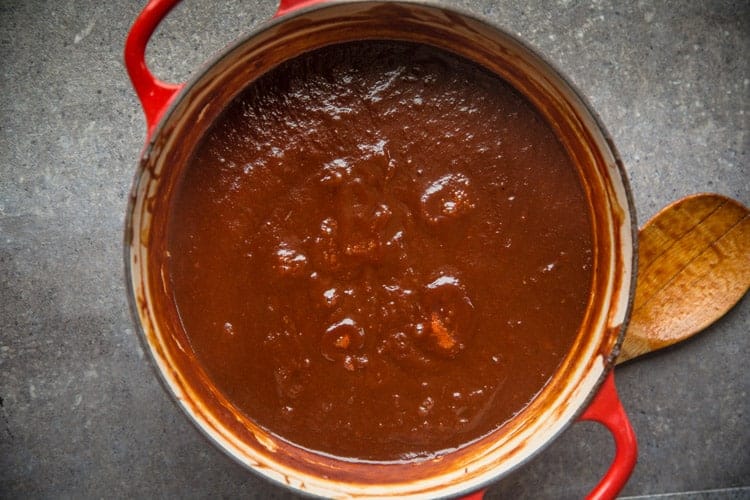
<point x="380" y="251"/>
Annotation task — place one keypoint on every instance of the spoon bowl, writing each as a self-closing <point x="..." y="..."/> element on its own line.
<point x="694" y="266"/>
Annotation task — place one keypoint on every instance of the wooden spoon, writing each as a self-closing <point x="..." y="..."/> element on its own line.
<point x="694" y="265"/>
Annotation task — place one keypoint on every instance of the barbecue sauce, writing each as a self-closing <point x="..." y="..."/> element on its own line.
<point x="380" y="251"/>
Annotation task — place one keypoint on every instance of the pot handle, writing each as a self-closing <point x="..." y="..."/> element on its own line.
<point x="607" y="410"/>
<point x="154" y="94"/>
<point x="286" y="6"/>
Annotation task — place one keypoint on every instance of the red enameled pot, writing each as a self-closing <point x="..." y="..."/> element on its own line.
<point x="177" y="115"/>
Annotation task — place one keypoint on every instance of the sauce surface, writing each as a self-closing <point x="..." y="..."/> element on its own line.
<point x="380" y="251"/>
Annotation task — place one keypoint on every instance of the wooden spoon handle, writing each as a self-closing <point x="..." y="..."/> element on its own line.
<point x="694" y="265"/>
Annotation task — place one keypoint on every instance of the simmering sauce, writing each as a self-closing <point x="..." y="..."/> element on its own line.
<point x="380" y="251"/>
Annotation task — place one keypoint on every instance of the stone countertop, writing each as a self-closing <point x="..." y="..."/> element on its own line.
<point x="82" y="414"/>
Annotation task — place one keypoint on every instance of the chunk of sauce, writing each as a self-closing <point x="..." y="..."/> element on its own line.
<point x="380" y="251"/>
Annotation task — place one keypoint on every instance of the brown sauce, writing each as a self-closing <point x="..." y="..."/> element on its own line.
<point x="380" y="251"/>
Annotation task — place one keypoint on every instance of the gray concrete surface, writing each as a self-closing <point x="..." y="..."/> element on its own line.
<point x="82" y="415"/>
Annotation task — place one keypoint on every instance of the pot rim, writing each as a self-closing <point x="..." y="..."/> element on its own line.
<point x="152" y="146"/>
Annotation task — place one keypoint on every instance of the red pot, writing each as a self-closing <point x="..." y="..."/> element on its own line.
<point x="177" y="115"/>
